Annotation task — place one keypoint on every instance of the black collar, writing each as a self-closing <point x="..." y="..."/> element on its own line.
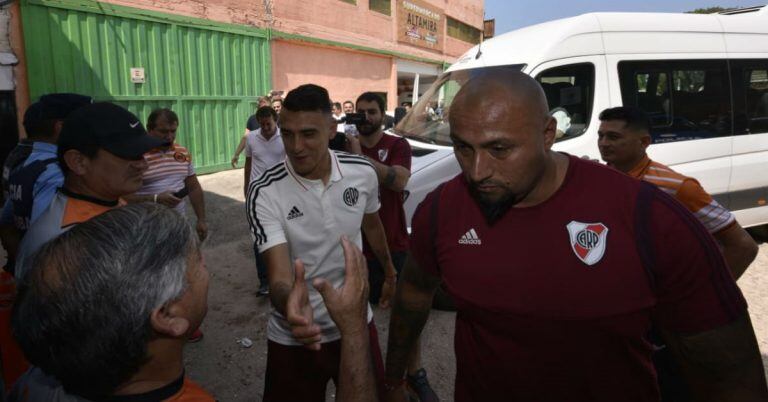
<point x="156" y="395"/>
<point x="88" y="198"/>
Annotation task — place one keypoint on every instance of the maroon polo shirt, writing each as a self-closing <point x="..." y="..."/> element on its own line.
<point x="555" y="301"/>
<point x="391" y="151"/>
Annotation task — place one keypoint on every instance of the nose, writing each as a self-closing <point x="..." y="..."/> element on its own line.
<point x="481" y="168"/>
<point x="298" y="145"/>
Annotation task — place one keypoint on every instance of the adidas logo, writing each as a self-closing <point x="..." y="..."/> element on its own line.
<point x="470" y="238"/>
<point x="295" y="213"/>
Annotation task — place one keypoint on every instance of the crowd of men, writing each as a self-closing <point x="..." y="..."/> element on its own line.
<point x="573" y="281"/>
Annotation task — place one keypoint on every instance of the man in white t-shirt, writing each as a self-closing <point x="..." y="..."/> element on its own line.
<point x="298" y="211"/>
<point x="263" y="146"/>
<point x="263" y="149"/>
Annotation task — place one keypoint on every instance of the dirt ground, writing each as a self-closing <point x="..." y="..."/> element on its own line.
<point x="235" y="373"/>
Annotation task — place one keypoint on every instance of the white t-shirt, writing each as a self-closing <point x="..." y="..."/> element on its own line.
<point x="311" y="217"/>
<point x="264" y="153"/>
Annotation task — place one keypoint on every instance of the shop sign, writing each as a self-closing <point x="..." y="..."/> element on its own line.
<point x="420" y="24"/>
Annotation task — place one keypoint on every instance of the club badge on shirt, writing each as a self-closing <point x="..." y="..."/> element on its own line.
<point x="588" y="241"/>
<point x="383" y="154"/>
<point x="181" y="157"/>
<point x="350" y="196"/>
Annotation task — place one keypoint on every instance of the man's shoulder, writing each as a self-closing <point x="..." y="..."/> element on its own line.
<point x="34" y="385"/>
<point x="675" y="183"/>
<point x="656" y="169"/>
<point x="391" y="139"/>
<point x="45" y="228"/>
<point x="596" y="177"/>
<point x="270" y="179"/>
<point x="453" y="191"/>
<point x="354" y="165"/>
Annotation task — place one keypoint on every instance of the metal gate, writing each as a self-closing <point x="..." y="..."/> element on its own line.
<point x="209" y="73"/>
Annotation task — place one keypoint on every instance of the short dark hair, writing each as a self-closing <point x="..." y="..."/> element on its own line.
<point x="82" y="312"/>
<point x="337" y="105"/>
<point x="266" y="111"/>
<point x="350" y="102"/>
<point x="372" y="97"/>
<point x="633" y="117"/>
<point x="308" y="98"/>
<point x="165" y="113"/>
<point x="40" y="129"/>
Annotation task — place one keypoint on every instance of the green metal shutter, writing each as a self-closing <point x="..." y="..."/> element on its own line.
<point x="209" y="73"/>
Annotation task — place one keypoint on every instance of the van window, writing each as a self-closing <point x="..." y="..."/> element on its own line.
<point x="428" y="119"/>
<point x="685" y="100"/>
<point x="570" y="91"/>
<point x="750" y="80"/>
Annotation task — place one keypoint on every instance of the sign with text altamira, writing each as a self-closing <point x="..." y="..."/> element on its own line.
<point x="420" y="24"/>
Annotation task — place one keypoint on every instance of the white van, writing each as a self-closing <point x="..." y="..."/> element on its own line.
<point x="703" y="79"/>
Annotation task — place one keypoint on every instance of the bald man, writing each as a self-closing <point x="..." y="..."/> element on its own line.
<point x="559" y="266"/>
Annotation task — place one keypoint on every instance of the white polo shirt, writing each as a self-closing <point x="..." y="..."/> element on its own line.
<point x="263" y="152"/>
<point x="311" y="217"/>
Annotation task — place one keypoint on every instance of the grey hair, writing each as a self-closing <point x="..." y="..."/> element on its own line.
<point x="83" y="311"/>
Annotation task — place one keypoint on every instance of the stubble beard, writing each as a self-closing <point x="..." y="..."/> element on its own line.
<point x="367" y="129"/>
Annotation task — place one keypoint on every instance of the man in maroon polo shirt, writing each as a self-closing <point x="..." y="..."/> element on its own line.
<point x="558" y="268"/>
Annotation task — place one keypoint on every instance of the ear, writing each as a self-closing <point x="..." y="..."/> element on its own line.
<point x="77" y="162"/>
<point x="550" y="132"/>
<point x="645" y="140"/>
<point x="57" y="129"/>
<point x="331" y="127"/>
<point x="166" y="321"/>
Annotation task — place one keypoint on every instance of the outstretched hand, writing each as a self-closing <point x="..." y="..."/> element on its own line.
<point x="348" y="305"/>
<point x="299" y="312"/>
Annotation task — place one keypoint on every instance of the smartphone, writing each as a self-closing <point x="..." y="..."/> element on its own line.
<point x="181" y="193"/>
<point x="350" y="129"/>
<point x="355" y="118"/>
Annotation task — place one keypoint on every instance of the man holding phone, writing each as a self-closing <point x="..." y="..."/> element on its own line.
<point x="171" y="174"/>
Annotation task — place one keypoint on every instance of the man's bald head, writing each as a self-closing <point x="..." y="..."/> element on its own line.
<point x="498" y="95"/>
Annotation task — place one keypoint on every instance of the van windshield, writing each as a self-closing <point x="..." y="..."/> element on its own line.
<point x="428" y="119"/>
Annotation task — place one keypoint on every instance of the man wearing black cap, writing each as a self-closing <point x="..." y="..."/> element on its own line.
<point x="31" y="174"/>
<point x="101" y="152"/>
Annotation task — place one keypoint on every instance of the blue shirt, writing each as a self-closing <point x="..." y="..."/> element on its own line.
<point x="44" y="187"/>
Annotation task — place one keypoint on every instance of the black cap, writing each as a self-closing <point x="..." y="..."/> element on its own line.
<point x="53" y="107"/>
<point x="107" y="126"/>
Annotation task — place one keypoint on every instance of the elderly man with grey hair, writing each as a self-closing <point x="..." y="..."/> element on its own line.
<point x="106" y="309"/>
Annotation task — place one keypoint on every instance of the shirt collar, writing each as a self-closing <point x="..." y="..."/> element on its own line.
<point x="44" y="147"/>
<point x="277" y="135"/>
<point x="336" y="173"/>
<point x="639" y="170"/>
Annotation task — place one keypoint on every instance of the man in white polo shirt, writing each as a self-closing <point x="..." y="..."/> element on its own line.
<point x="298" y="211"/>
<point x="263" y="149"/>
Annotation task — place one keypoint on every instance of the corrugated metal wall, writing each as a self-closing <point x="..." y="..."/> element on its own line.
<point x="210" y="75"/>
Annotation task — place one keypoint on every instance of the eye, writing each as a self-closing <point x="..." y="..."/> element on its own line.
<point x="500" y="151"/>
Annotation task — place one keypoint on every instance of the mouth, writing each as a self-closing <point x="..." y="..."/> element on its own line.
<point x="487" y="188"/>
